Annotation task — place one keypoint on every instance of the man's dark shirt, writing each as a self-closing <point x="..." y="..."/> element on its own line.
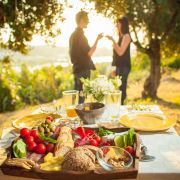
<point x="78" y="50"/>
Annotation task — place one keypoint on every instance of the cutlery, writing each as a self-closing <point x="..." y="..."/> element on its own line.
<point x="145" y="157"/>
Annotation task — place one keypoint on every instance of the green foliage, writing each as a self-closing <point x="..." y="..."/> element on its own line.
<point x="175" y="64"/>
<point x="140" y="61"/>
<point x="7" y="84"/>
<point x="24" y="18"/>
<point x="171" y="62"/>
<point x="26" y="87"/>
<point x="6" y="100"/>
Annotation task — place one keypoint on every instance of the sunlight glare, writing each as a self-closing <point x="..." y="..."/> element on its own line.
<point x="98" y="24"/>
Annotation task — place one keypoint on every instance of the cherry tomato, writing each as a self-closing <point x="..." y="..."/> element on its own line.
<point x="34" y="133"/>
<point x="31" y="146"/>
<point x="50" y="147"/>
<point x="89" y="132"/>
<point x="81" y="132"/>
<point x="25" y="132"/>
<point x="29" y="139"/>
<point x="93" y="142"/>
<point x="38" y="140"/>
<point x="41" y="149"/>
<point x="130" y="150"/>
<point x="50" y="118"/>
<point x="98" y="139"/>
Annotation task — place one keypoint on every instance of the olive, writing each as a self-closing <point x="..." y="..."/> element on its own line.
<point x="50" y="133"/>
<point x="47" y="130"/>
<point x="43" y="125"/>
<point x="40" y="129"/>
<point x="50" y="126"/>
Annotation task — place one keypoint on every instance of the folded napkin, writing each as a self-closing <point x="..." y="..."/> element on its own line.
<point x="8" y="136"/>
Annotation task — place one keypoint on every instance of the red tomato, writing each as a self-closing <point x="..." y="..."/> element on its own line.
<point x="50" y="147"/>
<point x="24" y="132"/>
<point x="31" y="146"/>
<point x="34" y="133"/>
<point x="89" y="132"/>
<point x="81" y="132"/>
<point x="98" y="139"/>
<point x="29" y="139"/>
<point x="41" y="149"/>
<point x="38" y="140"/>
<point x="93" y="142"/>
<point x="50" y="118"/>
<point x="130" y="150"/>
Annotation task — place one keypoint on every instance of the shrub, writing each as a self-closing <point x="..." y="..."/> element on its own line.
<point x="6" y="99"/>
<point x="175" y="64"/>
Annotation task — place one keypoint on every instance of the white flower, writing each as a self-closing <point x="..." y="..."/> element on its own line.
<point x="100" y="86"/>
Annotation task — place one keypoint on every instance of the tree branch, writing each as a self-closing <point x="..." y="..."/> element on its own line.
<point x="170" y="24"/>
<point x="137" y="43"/>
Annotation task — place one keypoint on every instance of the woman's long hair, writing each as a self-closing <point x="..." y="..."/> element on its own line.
<point x="124" y="24"/>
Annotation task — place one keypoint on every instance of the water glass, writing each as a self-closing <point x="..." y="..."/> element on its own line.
<point x="70" y="100"/>
<point x="113" y="103"/>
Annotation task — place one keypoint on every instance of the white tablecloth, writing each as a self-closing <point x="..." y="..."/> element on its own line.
<point x="164" y="146"/>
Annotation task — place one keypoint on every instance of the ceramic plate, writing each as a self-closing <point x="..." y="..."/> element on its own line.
<point x="147" y="121"/>
<point x="32" y="120"/>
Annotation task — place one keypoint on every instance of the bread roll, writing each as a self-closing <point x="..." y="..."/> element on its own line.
<point x="64" y="142"/>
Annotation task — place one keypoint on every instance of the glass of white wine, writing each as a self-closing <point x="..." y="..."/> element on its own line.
<point x="113" y="103"/>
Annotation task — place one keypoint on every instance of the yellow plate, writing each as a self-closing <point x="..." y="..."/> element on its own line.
<point x="32" y="120"/>
<point x="147" y="122"/>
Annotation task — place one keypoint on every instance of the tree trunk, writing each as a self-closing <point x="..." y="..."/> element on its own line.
<point x="152" y="82"/>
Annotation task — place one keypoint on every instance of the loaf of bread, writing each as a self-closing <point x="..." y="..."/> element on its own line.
<point x="64" y="142"/>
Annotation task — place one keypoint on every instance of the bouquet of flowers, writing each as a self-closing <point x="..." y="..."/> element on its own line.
<point x="100" y="86"/>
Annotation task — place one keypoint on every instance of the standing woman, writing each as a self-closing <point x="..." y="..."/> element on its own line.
<point x="121" y="54"/>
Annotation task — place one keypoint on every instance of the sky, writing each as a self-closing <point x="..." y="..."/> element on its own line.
<point x="98" y="24"/>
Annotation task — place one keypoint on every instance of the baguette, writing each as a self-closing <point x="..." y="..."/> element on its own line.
<point x="64" y="142"/>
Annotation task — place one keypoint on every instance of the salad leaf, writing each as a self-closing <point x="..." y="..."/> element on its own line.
<point x="19" y="149"/>
<point x="47" y="138"/>
<point x="131" y="134"/>
<point x="104" y="132"/>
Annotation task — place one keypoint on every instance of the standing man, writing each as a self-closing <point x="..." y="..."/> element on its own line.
<point x="80" y="51"/>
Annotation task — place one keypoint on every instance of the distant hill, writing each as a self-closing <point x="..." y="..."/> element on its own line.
<point x="63" y="51"/>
